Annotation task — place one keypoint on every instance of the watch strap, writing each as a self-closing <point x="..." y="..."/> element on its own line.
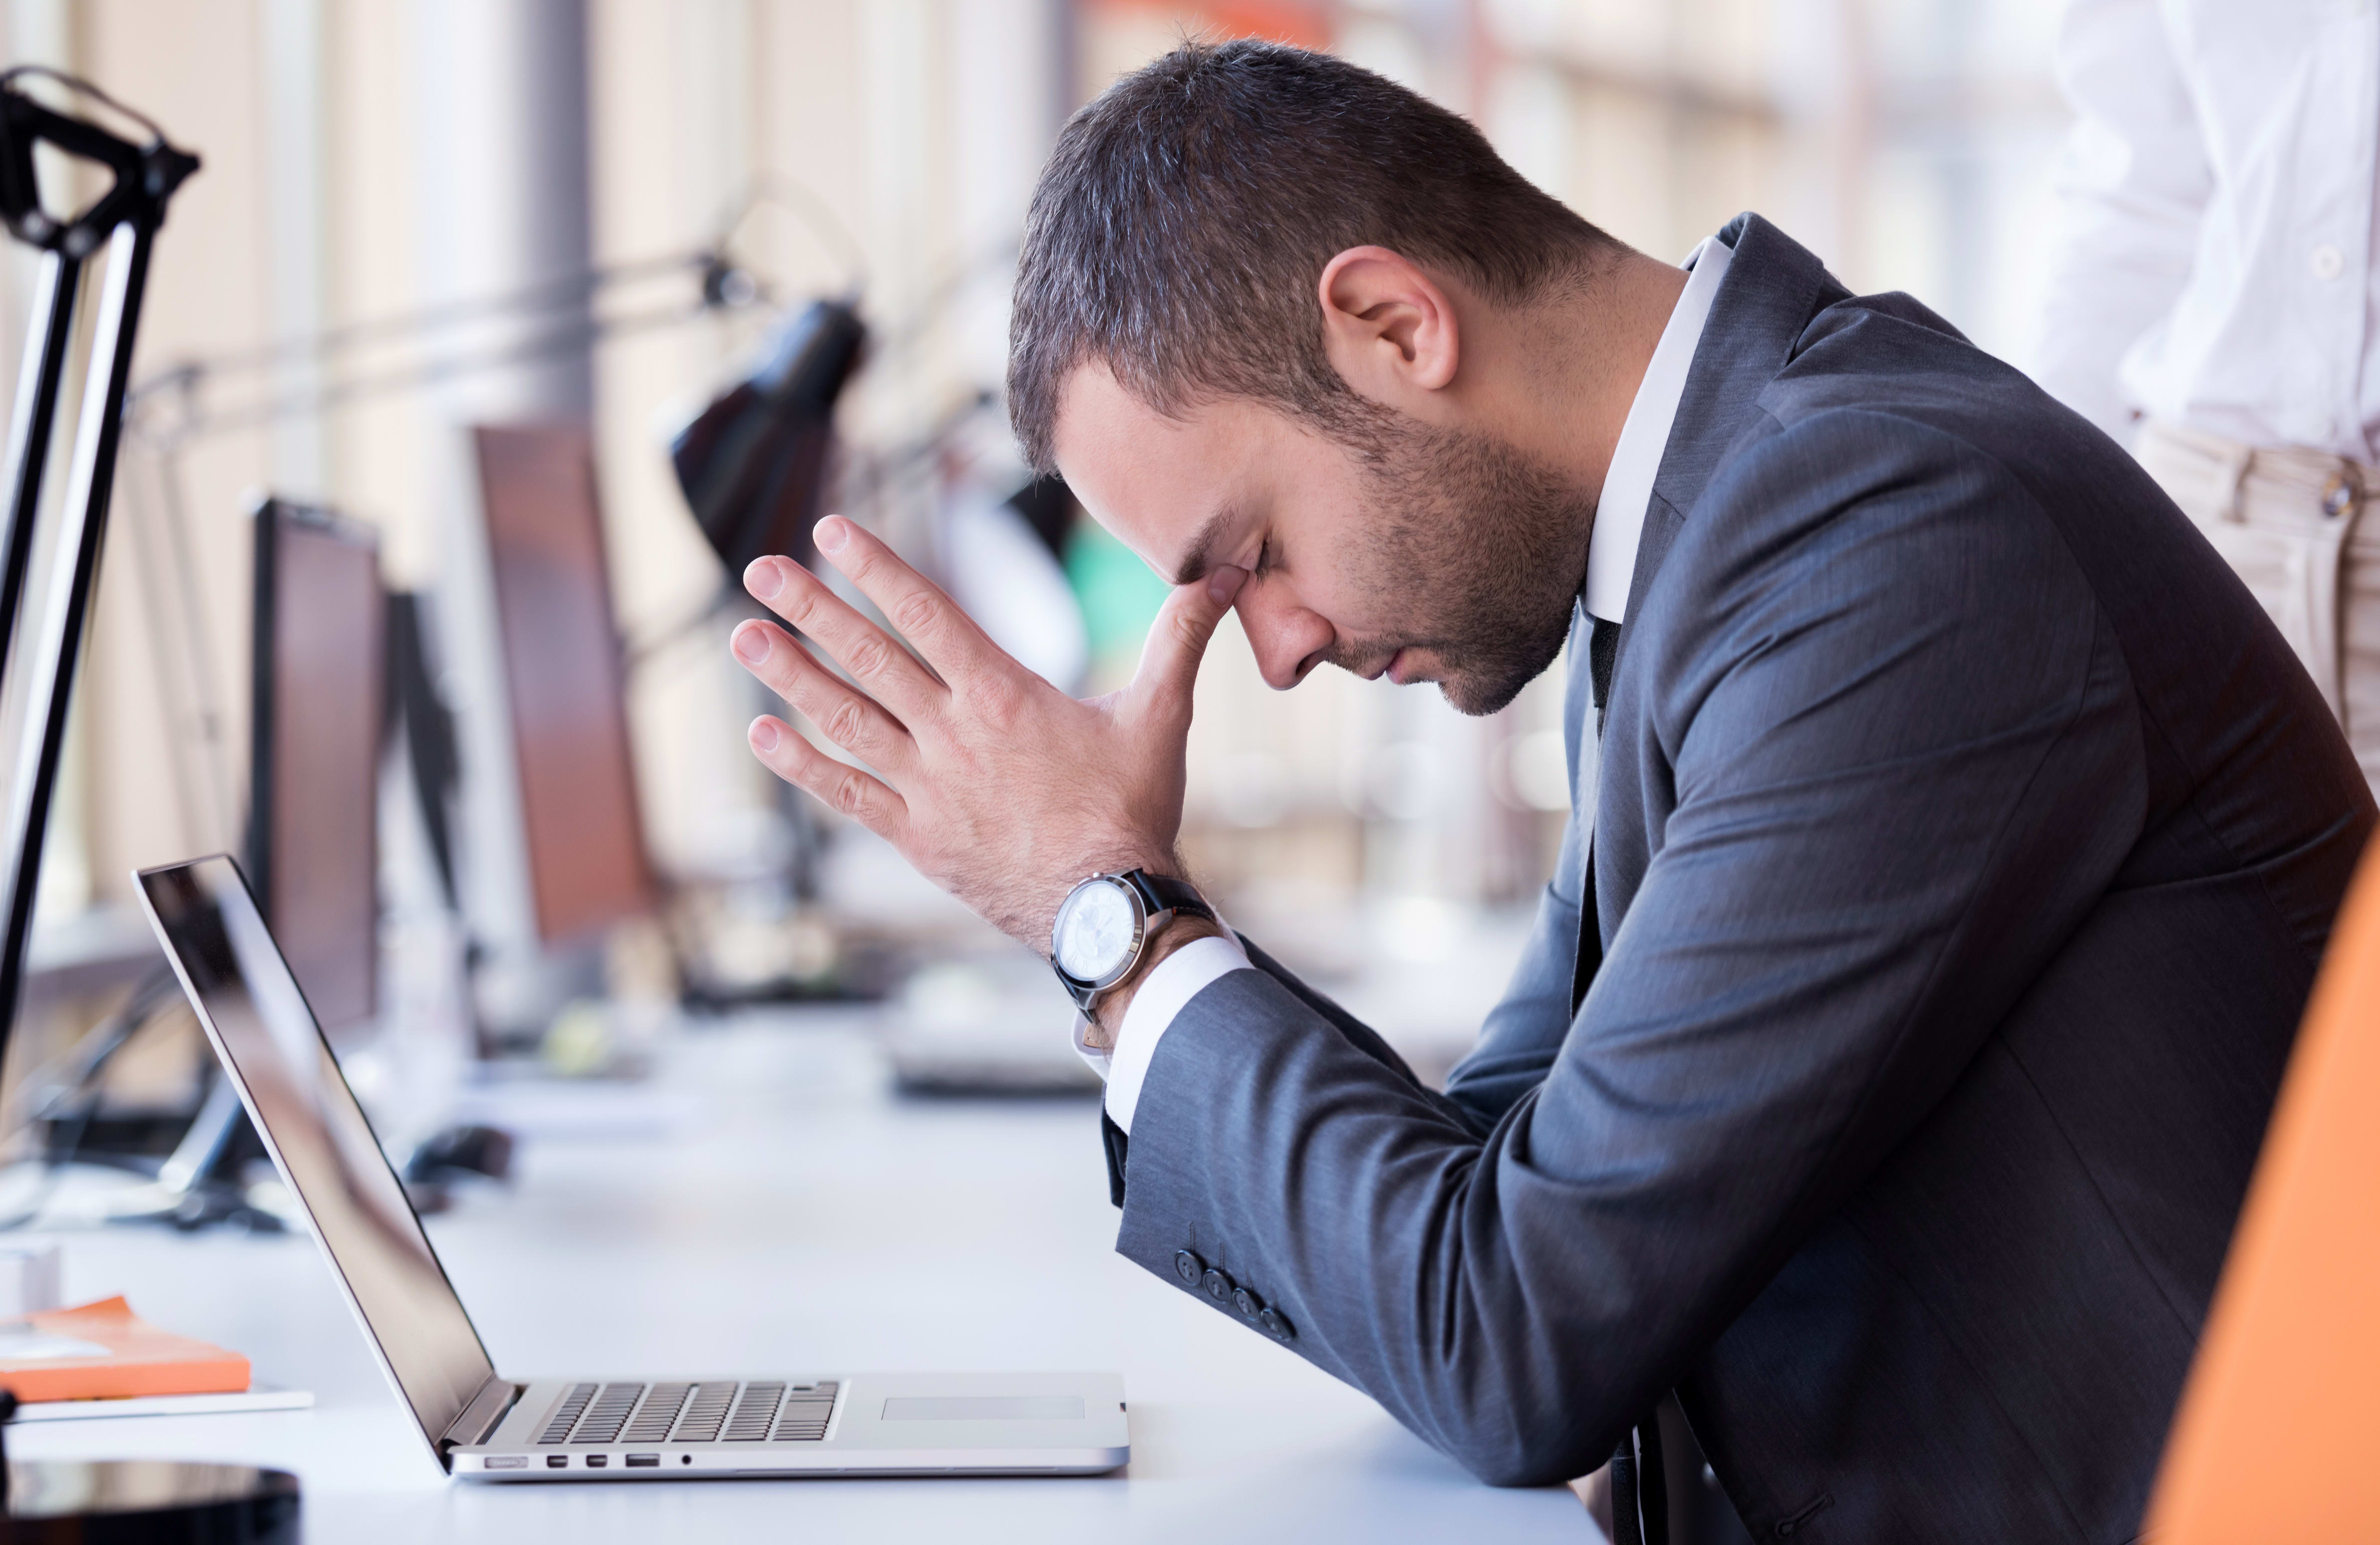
<point x="1165" y="893"/>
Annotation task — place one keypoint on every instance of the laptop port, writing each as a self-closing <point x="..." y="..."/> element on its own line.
<point x="507" y="1462"/>
<point x="557" y="1461"/>
<point x="644" y="1461"/>
<point x="597" y="1461"/>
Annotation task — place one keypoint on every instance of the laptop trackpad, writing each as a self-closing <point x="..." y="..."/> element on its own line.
<point x="984" y="1407"/>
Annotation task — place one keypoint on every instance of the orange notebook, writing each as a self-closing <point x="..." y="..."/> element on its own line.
<point x="103" y="1351"/>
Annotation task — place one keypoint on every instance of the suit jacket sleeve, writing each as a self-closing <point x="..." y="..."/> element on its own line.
<point x="1117" y="1143"/>
<point x="1525" y="1032"/>
<point x="1904" y="759"/>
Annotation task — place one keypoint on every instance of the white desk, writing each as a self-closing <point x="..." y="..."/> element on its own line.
<point x="802" y="1223"/>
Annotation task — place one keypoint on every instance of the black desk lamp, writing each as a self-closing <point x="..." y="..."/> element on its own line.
<point x="102" y="1500"/>
<point x="142" y="1502"/>
<point x="125" y="219"/>
<point x="753" y="464"/>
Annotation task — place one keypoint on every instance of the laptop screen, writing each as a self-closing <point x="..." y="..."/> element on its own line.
<point x="308" y="1119"/>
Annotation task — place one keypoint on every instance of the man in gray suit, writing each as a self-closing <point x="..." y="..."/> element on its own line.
<point x="1902" y="1020"/>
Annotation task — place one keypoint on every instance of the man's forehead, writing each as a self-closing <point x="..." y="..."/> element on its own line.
<point x="1100" y="418"/>
<point x="1160" y="483"/>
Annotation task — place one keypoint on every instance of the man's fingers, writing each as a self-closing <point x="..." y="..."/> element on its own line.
<point x="1177" y="640"/>
<point x="847" y="717"/>
<point x="844" y="788"/>
<point x="917" y="608"/>
<point x="883" y="669"/>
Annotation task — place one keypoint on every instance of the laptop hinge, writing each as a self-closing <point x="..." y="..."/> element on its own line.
<point x="479" y="1418"/>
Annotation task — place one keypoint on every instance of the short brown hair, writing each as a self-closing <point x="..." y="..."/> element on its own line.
<point x="1187" y="215"/>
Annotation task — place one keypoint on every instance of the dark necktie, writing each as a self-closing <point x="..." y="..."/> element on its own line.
<point x="1602" y="654"/>
<point x="1639" y="1495"/>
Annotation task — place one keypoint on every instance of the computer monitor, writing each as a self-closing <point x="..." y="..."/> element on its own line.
<point x="565" y="681"/>
<point x="418" y="707"/>
<point x="317" y="731"/>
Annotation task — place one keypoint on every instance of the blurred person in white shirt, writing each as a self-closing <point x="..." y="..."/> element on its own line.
<point x="2215" y="303"/>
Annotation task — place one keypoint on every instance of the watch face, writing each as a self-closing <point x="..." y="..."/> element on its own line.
<point x="1095" y="929"/>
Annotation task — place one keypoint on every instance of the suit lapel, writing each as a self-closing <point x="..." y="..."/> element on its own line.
<point x="1774" y="287"/>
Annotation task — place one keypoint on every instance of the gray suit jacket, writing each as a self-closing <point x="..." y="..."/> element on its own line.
<point x="1965" y="845"/>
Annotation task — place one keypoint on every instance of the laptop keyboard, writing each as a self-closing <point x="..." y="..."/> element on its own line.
<point x="724" y="1411"/>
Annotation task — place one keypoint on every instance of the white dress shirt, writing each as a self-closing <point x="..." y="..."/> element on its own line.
<point x="1637" y="456"/>
<point x="2215" y="262"/>
<point x="1610" y="565"/>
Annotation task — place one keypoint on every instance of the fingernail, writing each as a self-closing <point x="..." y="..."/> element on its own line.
<point x="752" y="643"/>
<point x="1224" y="583"/>
<point x="832" y="533"/>
<point x="763" y="577"/>
<point x="764" y="736"/>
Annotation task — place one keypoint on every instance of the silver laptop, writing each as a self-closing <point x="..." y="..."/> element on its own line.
<point x="487" y="1427"/>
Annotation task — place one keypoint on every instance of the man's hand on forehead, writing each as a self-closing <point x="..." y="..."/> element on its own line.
<point x="995" y="785"/>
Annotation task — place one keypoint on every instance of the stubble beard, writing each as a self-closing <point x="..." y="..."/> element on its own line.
<point x="1482" y="549"/>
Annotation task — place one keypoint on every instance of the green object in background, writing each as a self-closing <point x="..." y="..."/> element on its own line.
<point x="1119" y="594"/>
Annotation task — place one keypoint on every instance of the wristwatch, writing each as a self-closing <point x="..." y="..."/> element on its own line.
<point x="1105" y="924"/>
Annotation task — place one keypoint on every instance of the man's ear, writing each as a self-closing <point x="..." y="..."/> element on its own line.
<point x="1388" y="328"/>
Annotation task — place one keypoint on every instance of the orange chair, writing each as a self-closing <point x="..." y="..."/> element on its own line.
<point x="2280" y="1422"/>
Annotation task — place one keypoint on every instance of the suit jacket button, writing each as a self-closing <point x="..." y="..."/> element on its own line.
<point x="1219" y="1285"/>
<point x="1246" y="1303"/>
<point x="1276" y="1324"/>
<point x="1188" y="1267"/>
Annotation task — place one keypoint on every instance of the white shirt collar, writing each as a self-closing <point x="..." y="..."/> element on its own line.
<point x="1636" y="457"/>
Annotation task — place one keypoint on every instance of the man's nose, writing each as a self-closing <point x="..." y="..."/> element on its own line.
<point x="1288" y="639"/>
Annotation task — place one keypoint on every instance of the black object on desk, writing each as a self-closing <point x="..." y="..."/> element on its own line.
<point x="753" y="464"/>
<point x="101" y="1501"/>
<point x="142" y="1502"/>
<point x="124" y="222"/>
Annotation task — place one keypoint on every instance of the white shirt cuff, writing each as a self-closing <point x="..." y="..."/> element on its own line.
<point x="1162" y="996"/>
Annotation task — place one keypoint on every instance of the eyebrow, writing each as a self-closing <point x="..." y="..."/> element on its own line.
<point x="1201" y="556"/>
